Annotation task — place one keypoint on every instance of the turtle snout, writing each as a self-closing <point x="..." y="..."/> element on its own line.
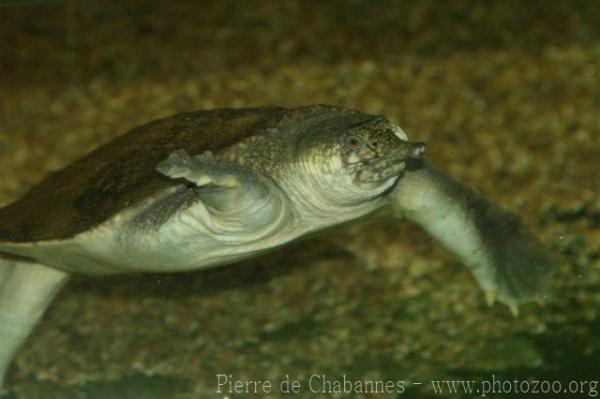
<point x="414" y="149"/>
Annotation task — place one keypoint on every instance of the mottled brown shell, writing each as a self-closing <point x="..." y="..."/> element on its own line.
<point x="121" y="173"/>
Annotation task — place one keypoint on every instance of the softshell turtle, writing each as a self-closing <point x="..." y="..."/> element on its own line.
<point x="207" y="188"/>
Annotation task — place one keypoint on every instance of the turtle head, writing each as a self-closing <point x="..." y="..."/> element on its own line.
<point x="354" y="157"/>
<point x="376" y="151"/>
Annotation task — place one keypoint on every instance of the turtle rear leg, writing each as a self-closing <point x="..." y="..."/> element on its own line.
<point x="26" y="290"/>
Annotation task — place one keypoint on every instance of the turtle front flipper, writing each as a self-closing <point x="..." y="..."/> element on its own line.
<point x="220" y="184"/>
<point x="231" y="196"/>
<point x="507" y="261"/>
<point x="201" y="170"/>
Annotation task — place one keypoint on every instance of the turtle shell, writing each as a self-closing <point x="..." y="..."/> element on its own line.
<point x="121" y="173"/>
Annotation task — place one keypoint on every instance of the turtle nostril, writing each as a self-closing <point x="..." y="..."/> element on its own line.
<point x="419" y="149"/>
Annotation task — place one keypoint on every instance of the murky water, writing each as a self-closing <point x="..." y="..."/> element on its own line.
<point x="506" y="97"/>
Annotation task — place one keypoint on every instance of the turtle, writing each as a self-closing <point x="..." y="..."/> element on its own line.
<point x="211" y="187"/>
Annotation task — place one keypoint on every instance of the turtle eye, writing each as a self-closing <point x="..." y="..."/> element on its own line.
<point x="353" y="141"/>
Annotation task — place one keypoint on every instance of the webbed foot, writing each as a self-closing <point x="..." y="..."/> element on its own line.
<point x="508" y="262"/>
<point x="516" y="266"/>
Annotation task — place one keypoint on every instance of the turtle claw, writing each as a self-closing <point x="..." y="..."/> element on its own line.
<point x="228" y="181"/>
<point x="201" y="170"/>
<point x="176" y="165"/>
<point x="517" y="267"/>
<point x="202" y="180"/>
<point x="490" y="297"/>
